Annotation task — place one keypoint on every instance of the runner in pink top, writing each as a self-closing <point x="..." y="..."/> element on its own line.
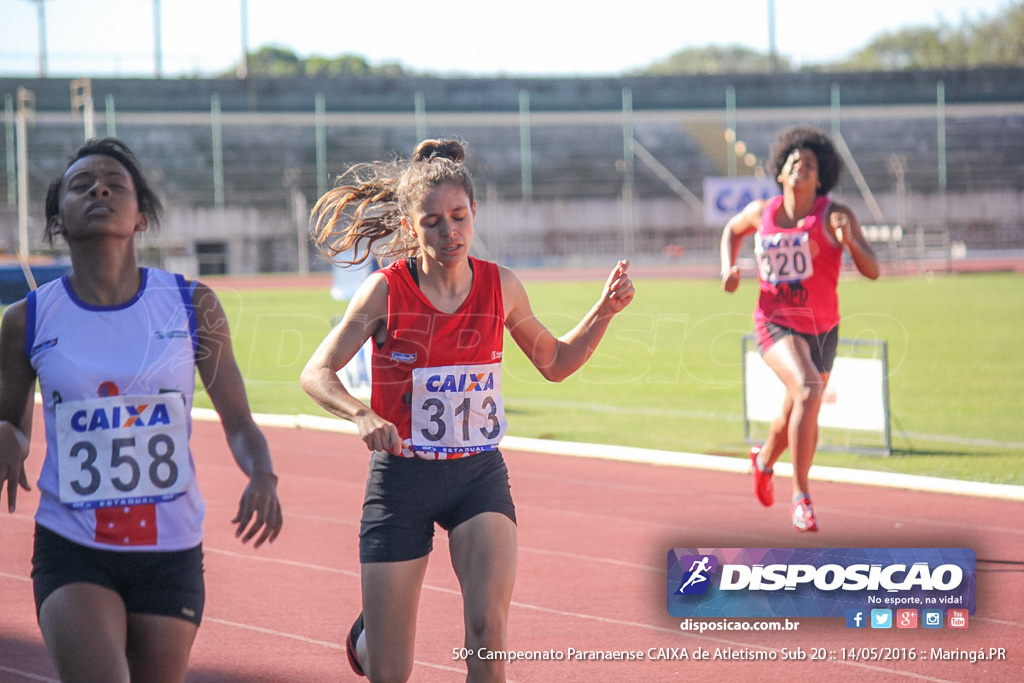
<point x="799" y="238"/>
<point x="798" y="270"/>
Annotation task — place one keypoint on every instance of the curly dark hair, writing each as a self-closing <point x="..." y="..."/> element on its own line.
<point x="830" y="165"/>
<point x="148" y="200"/>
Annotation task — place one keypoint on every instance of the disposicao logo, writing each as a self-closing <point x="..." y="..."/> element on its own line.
<point x="696" y="579"/>
<point x="818" y="582"/>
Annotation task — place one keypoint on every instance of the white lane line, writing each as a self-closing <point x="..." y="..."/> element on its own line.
<point x="678" y="459"/>
<point x="26" y="675"/>
<point x="313" y="641"/>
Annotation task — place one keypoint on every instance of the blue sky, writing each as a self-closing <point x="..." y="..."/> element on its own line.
<point x="525" y="37"/>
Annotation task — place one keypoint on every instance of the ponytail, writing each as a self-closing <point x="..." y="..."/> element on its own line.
<point x="362" y="215"/>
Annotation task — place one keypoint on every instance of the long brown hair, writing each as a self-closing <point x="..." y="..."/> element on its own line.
<point x="363" y="213"/>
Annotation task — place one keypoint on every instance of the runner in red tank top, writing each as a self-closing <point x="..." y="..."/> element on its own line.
<point x="799" y="242"/>
<point x="471" y="336"/>
<point x="437" y="319"/>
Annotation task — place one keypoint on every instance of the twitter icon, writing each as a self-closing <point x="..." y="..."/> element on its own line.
<point x="881" y="618"/>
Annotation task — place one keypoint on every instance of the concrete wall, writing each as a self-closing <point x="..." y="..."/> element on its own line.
<point x="378" y="94"/>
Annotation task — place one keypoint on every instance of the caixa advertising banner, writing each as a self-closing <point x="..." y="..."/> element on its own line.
<point x="817" y="582"/>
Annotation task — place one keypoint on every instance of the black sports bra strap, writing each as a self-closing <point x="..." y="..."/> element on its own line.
<point x="410" y="263"/>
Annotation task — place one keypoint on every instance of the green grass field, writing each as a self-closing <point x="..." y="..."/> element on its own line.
<point x="668" y="374"/>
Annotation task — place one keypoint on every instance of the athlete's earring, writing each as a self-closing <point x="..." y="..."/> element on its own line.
<point x="408" y="227"/>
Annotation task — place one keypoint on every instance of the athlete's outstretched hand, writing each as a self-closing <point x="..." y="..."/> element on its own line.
<point x="259" y="499"/>
<point x="13" y="451"/>
<point x="618" y="290"/>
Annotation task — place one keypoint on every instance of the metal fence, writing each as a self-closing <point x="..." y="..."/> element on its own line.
<point x="553" y="185"/>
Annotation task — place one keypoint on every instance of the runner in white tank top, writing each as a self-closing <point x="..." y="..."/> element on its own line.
<point x="115" y="348"/>
<point x="136" y="402"/>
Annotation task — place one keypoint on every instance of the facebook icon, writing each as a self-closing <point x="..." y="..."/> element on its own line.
<point x="856" y="618"/>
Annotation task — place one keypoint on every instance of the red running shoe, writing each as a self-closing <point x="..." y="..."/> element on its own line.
<point x="350" y="645"/>
<point x="763" y="485"/>
<point x="803" y="514"/>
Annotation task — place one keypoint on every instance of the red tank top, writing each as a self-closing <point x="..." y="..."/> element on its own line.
<point x="798" y="270"/>
<point x="437" y="376"/>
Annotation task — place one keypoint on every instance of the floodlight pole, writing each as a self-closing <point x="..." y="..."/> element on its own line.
<point x="320" y="117"/>
<point x="419" y="103"/>
<point x="41" y="10"/>
<point x="730" y="130"/>
<point x="629" y="174"/>
<point x="940" y="117"/>
<point x="243" y="64"/>
<point x="12" y="173"/>
<point x="218" y="151"/>
<point x="111" y="116"/>
<point x="525" y="155"/>
<point x="24" y="111"/>
<point x="158" y="57"/>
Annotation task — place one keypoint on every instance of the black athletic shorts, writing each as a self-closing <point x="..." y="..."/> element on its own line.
<point x="168" y="583"/>
<point x="823" y="346"/>
<point x="405" y="497"/>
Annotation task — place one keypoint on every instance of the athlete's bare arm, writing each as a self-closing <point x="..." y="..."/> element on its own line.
<point x="557" y="358"/>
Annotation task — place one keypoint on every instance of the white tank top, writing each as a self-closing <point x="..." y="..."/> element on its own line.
<point x="117" y="386"/>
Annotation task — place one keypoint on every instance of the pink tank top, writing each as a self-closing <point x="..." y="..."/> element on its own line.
<point x="798" y="270"/>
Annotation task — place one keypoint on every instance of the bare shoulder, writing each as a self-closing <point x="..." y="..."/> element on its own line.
<point x="367" y="311"/>
<point x="202" y="291"/>
<point x="513" y="294"/>
<point x="754" y="209"/>
<point x="12" y="331"/>
<point x="749" y="218"/>
<point x="507" y="275"/>
<point x="839" y="207"/>
<point x="510" y="282"/>
<point x="16" y="316"/>
<point x="839" y="215"/>
<point x="372" y="294"/>
<point x="205" y="300"/>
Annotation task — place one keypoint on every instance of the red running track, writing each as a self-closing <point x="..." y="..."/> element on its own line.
<point x="594" y="535"/>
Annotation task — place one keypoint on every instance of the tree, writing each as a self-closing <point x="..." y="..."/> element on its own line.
<point x="998" y="41"/>
<point x="345" y="65"/>
<point x="274" y="62"/>
<point x="278" y="62"/>
<point x="713" y="59"/>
